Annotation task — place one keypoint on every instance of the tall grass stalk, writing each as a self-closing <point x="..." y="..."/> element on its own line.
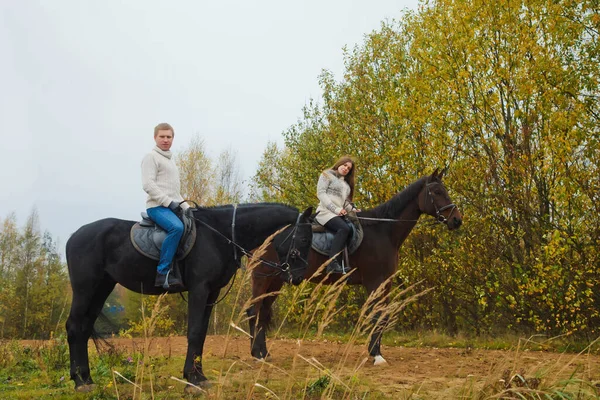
<point x="237" y="317"/>
<point x="149" y="325"/>
<point x="320" y="303"/>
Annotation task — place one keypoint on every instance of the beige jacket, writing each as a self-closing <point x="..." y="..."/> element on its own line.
<point x="333" y="192"/>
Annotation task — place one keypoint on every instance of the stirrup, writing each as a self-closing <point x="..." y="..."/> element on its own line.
<point x="334" y="268"/>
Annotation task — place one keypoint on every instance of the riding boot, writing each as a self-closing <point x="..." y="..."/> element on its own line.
<point x="338" y="244"/>
<point x="168" y="281"/>
<point x="334" y="267"/>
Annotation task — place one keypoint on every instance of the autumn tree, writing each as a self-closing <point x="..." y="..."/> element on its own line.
<point x="196" y="172"/>
<point x="228" y="181"/>
<point x="506" y="95"/>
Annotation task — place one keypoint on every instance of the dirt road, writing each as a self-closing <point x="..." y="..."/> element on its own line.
<point x="422" y="372"/>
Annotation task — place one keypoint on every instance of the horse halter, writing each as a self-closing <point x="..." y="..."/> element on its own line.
<point x="438" y="211"/>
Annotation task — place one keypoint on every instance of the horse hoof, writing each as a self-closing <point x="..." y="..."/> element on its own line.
<point x="379" y="360"/>
<point x="200" y="388"/>
<point x="85" y="388"/>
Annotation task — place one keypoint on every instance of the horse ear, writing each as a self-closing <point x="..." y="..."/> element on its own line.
<point x="435" y="174"/>
<point x="441" y="175"/>
<point x="306" y="214"/>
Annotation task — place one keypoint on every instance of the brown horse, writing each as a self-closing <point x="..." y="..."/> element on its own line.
<point x="385" y="228"/>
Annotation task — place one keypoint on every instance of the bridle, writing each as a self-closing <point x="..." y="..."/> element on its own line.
<point x="438" y="211"/>
<point x="292" y="254"/>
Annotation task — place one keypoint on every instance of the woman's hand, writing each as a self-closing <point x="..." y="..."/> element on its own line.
<point x="353" y="207"/>
<point x="342" y="212"/>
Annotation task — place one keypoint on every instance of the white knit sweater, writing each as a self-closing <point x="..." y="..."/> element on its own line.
<point x="333" y="192"/>
<point x="160" y="179"/>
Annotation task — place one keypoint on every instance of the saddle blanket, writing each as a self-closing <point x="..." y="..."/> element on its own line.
<point x="322" y="239"/>
<point x="147" y="237"/>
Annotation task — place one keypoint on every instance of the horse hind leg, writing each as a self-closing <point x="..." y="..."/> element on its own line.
<point x="85" y="309"/>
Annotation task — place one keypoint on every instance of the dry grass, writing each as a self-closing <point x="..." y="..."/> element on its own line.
<point x="307" y="377"/>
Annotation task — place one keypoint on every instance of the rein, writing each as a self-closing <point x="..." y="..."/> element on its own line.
<point x="439" y="217"/>
<point x="429" y="223"/>
<point x="387" y="219"/>
<point x="292" y="252"/>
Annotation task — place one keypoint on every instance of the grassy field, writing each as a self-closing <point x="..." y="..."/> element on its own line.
<point x="312" y="363"/>
<point x="328" y="368"/>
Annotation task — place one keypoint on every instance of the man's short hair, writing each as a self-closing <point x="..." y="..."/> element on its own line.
<point x="163" y="126"/>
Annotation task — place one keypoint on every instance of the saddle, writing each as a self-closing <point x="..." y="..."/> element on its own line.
<point x="322" y="238"/>
<point x="147" y="237"/>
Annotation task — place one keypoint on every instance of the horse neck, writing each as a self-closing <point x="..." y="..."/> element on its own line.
<point x="255" y="223"/>
<point x="404" y="205"/>
<point x="408" y="218"/>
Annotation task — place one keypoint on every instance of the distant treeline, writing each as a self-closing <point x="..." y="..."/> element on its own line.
<point x="34" y="289"/>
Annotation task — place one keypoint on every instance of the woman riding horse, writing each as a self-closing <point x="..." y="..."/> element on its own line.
<point x="335" y="190"/>
<point x="385" y="228"/>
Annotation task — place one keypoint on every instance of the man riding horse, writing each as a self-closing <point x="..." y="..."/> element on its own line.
<point x="160" y="179"/>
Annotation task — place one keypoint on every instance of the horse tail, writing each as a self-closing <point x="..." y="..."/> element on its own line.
<point x="99" y="337"/>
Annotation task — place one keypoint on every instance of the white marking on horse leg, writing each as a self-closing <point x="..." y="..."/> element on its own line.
<point x="379" y="360"/>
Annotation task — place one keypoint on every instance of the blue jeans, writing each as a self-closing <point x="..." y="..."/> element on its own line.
<point x="166" y="219"/>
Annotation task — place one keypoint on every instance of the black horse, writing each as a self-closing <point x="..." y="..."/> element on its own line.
<point x="100" y="254"/>
<point x="385" y="228"/>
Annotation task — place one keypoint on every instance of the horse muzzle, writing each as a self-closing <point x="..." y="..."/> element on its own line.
<point x="454" y="223"/>
<point x="296" y="280"/>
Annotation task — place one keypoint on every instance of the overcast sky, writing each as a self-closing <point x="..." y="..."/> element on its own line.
<point x="83" y="83"/>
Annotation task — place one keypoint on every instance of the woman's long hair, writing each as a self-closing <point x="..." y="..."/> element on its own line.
<point x="350" y="177"/>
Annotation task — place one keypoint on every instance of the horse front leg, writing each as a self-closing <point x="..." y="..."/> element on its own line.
<point x="199" y="299"/>
<point x="258" y="329"/>
<point x="252" y="325"/>
<point x="260" y="320"/>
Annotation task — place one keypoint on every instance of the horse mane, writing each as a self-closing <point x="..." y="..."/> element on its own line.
<point x="395" y="205"/>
